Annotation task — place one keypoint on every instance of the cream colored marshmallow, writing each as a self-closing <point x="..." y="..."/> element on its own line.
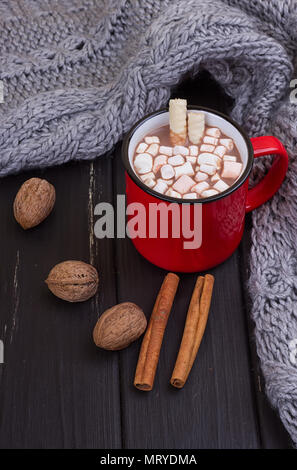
<point x="173" y="193"/>
<point x="159" y="161"/>
<point x="193" y="150"/>
<point x="185" y="169"/>
<point x="143" y="163"/>
<point x="153" y="149"/>
<point x="221" y="186"/>
<point x="190" y="196"/>
<point x="213" y="132"/>
<point x="147" y="175"/>
<point x="209" y="192"/>
<point x="180" y="150"/>
<point x="191" y="159"/>
<point x="229" y="158"/>
<point x="208" y="158"/>
<point x="183" y="184"/>
<point x="207" y="148"/>
<point x="231" y="170"/>
<point x="220" y="150"/>
<point x="161" y="186"/>
<point x="200" y="187"/>
<point x="201" y="176"/>
<point x="141" y="147"/>
<point x="152" y="139"/>
<point x="210" y="140"/>
<point x="166" y="150"/>
<point x="167" y="172"/>
<point x="176" y="160"/>
<point x="209" y="169"/>
<point x="228" y="143"/>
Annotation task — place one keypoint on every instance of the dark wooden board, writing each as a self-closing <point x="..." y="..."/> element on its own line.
<point x="215" y="409"/>
<point x="57" y="390"/>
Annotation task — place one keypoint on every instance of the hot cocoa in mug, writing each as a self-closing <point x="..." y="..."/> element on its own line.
<point x="191" y="165"/>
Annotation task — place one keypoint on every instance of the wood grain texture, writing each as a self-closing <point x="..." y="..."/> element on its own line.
<point x="216" y="408"/>
<point x="57" y="389"/>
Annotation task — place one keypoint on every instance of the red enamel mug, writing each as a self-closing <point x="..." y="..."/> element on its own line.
<point x="220" y="218"/>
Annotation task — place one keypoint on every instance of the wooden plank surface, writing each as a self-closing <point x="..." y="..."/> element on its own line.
<point x="215" y="409"/>
<point x="57" y="390"/>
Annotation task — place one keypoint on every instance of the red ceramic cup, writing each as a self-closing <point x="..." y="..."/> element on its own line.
<point x="222" y="216"/>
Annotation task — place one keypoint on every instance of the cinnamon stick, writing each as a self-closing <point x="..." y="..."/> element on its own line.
<point x="152" y="341"/>
<point x="194" y="329"/>
<point x="187" y="344"/>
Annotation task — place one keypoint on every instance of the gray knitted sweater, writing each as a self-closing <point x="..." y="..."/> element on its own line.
<point x="78" y="73"/>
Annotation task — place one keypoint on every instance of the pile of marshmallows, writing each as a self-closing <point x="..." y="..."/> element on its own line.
<point x="187" y="172"/>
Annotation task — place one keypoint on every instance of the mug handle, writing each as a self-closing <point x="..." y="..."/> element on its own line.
<point x="268" y="186"/>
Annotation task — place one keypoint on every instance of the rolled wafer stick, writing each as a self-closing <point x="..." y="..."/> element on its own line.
<point x="178" y="121"/>
<point x="152" y="341"/>
<point x="196" y="126"/>
<point x="196" y="321"/>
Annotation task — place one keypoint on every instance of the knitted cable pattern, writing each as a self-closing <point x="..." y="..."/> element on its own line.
<point x="79" y="73"/>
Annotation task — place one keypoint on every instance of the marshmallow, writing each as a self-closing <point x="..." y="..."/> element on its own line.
<point x="183" y="184"/>
<point x="213" y="132"/>
<point x="207" y="148"/>
<point x="161" y="186"/>
<point x="221" y="186"/>
<point x="228" y="143"/>
<point x="191" y="159"/>
<point x="141" y="147"/>
<point x="152" y="139"/>
<point x="167" y="172"/>
<point x="153" y="149"/>
<point x="176" y="160"/>
<point x="208" y="158"/>
<point x="231" y="169"/>
<point x="209" y="192"/>
<point x="166" y="150"/>
<point x="193" y="150"/>
<point x="180" y="150"/>
<point x="229" y="158"/>
<point x="220" y="150"/>
<point x="150" y="182"/>
<point x="209" y="169"/>
<point x="201" y="176"/>
<point x="158" y="162"/>
<point x="190" y="196"/>
<point x="214" y="178"/>
<point x="210" y="140"/>
<point x="146" y="176"/>
<point x="200" y="187"/>
<point x="143" y="163"/>
<point x="173" y="193"/>
<point x="185" y="169"/>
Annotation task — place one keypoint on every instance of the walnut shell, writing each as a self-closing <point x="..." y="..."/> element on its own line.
<point x="74" y="281"/>
<point x="119" y="326"/>
<point x="34" y="202"/>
